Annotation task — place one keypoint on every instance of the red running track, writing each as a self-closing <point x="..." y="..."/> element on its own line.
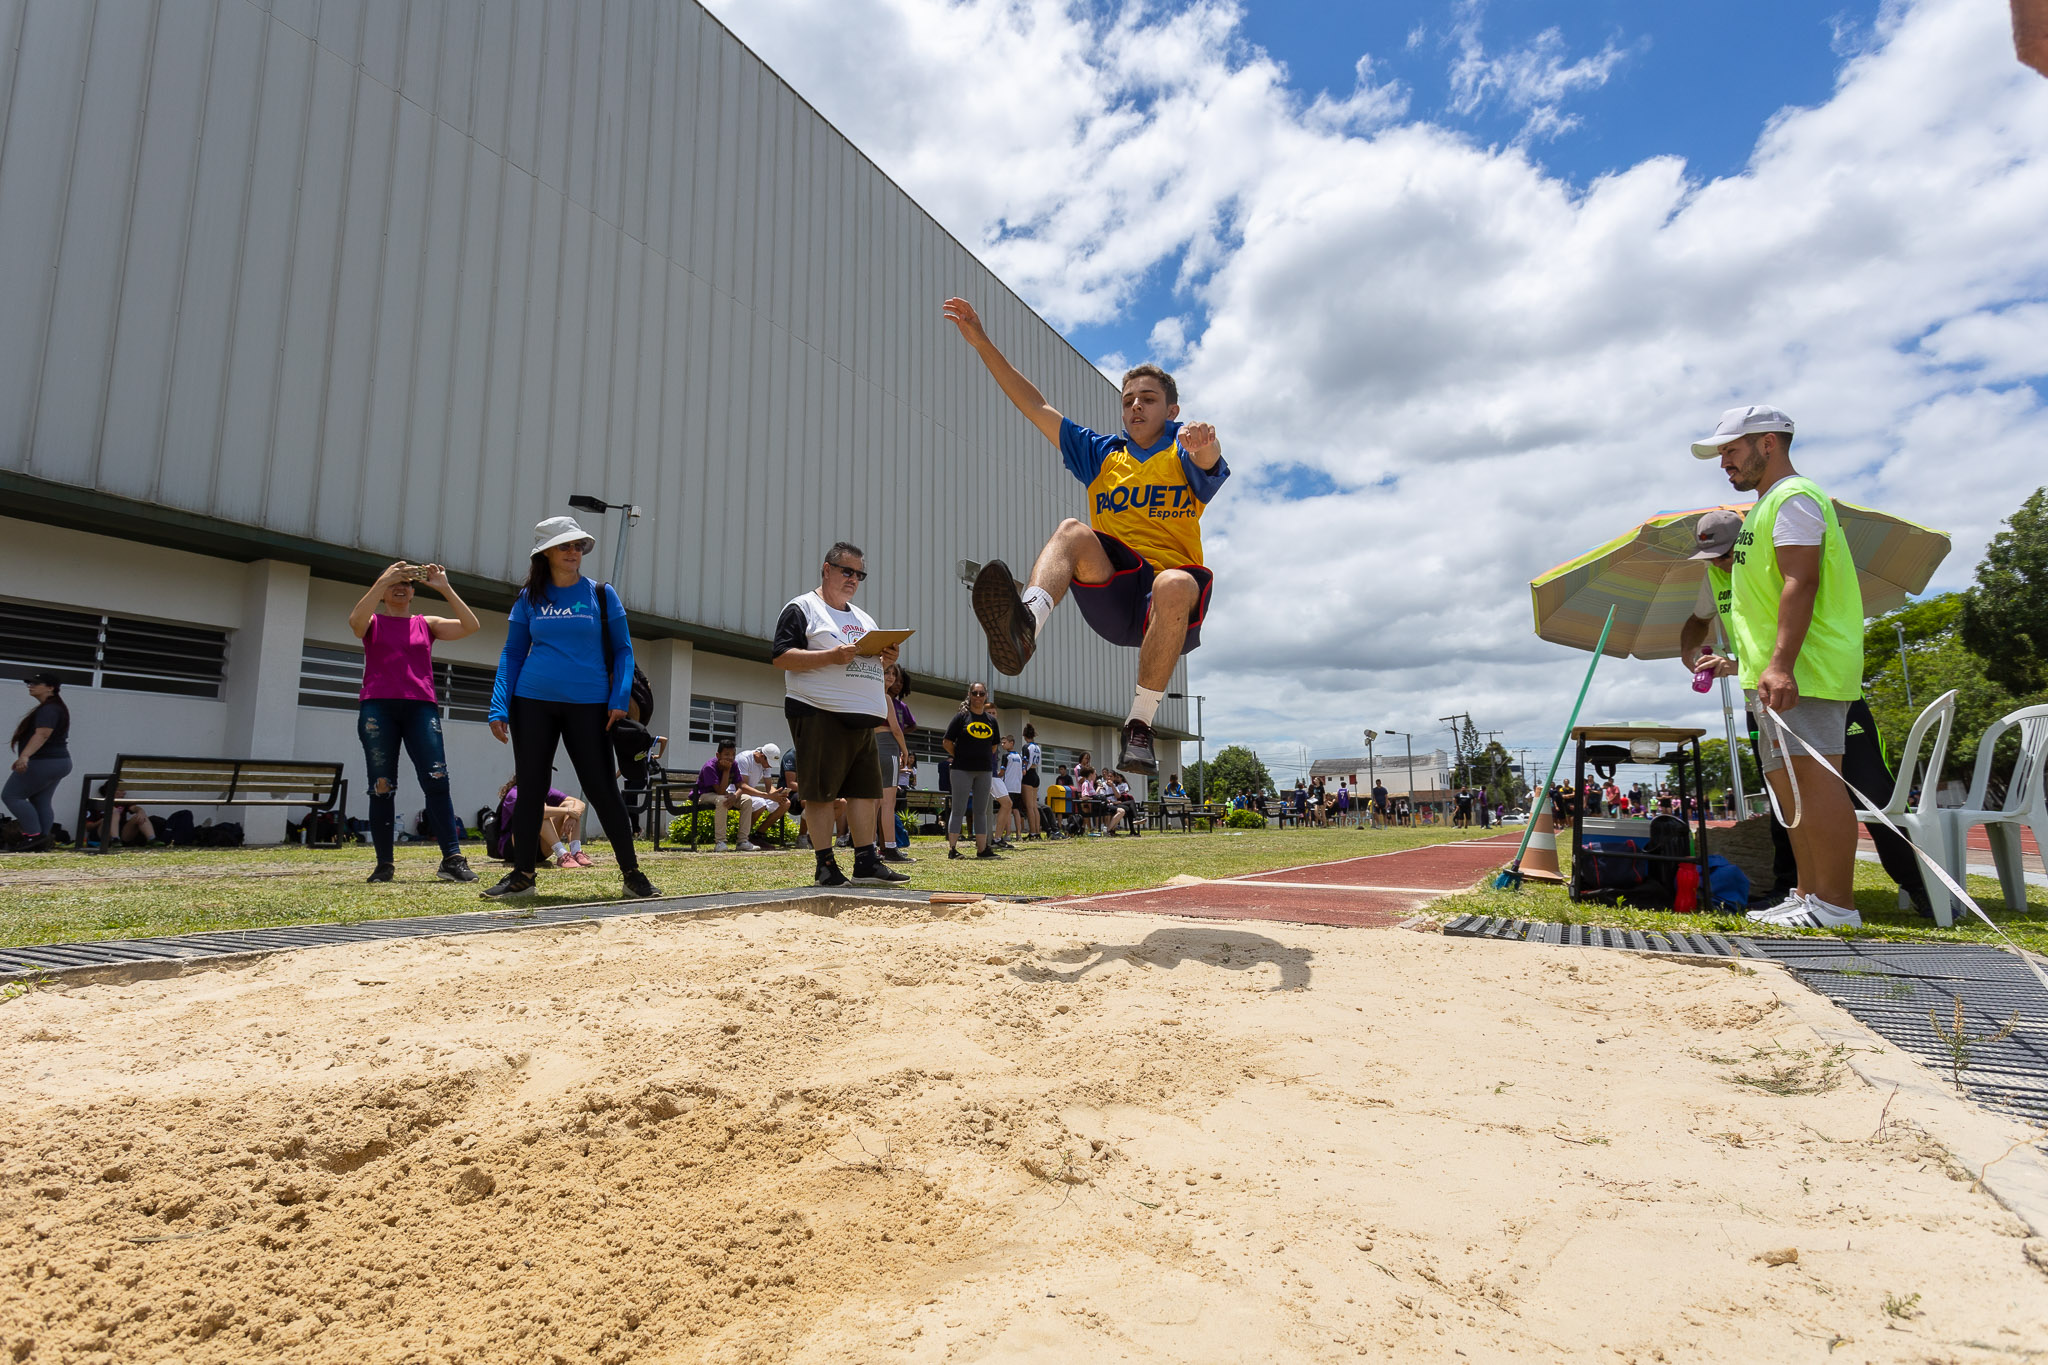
<point x="1373" y="892"/>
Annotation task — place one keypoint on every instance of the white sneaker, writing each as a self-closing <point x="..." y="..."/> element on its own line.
<point x="748" y="846"/>
<point x="1818" y="914"/>
<point x="720" y="848"/>
<point x="1794" y="902"/>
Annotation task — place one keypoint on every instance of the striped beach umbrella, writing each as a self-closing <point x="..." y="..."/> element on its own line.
<point x="1648" y="575"/>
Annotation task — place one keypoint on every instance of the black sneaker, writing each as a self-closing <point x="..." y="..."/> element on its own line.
<point x="895" y="855"/>
<point x="510" y="885"/>
<point x="638" y="888"/>
<point x="1137" y="755"/>
<point x="383" y="872"/>
<point x="868" y="870"/>
<point x="455" y="868"/>
<point x="47" y="843"/>
<point x="1012" y="635"/>
<point x="988" y="855"/>
<point x="954" y="853"/>
<point x="828" y="872"/>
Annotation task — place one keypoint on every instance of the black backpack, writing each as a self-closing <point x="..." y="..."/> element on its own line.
<point x="493" y="833"/>
<point x="177" y="828"/>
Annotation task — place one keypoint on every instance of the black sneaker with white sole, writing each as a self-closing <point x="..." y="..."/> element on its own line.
<point x="828" y="873"/>
<point x="1012" y="634"/>
<point x="383" y="872"/>
<point x="869" y="870"/>
<point x="511" y="885"/>
<point x="1137" y="756"/>
<point x="895" y="855"/>
<point x="638" y="888"/>
<point x="455" y="868"/>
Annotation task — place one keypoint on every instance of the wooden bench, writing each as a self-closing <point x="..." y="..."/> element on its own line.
<point x="157" y="780"/>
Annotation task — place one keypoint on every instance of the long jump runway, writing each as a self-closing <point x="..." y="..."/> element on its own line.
<point x="1373" y="892"/>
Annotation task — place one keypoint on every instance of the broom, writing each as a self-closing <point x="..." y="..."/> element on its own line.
<point x="1510" y="878"/>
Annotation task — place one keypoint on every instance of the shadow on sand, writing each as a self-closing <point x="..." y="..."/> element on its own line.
<point x="1231" y="949"/>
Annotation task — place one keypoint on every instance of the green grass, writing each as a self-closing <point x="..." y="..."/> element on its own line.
<point x="1877" y="900"/>
<point x="73" y="897"/>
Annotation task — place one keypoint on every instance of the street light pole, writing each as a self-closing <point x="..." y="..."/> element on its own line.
<point x="583" y="502"/>
<point x="1370" y="781"/>
<point x="1409" y="785"/>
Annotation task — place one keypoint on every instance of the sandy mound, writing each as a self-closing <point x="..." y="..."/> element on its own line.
<point x="983" y="1132"/>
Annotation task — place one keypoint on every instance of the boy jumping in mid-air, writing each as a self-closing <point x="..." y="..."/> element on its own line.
<point x="1136" y="566"/>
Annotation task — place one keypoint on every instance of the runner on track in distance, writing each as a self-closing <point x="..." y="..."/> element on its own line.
<point x="1136" y="566"/>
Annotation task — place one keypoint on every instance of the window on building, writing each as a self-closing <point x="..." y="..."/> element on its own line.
<point x="713" y="721"/>
<point x="330" y="677"/>
<point x="126" y="653"/>
<point x="333" y="677"/>
<point x="926" y="744"/>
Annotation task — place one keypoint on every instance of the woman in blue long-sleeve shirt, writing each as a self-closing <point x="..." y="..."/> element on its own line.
<point x="563" y="680"/>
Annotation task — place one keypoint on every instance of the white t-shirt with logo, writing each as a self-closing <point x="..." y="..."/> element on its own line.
<point x="753" y="772"/>
<point x="1013" y="773"/>
<point x="850" y="689"/>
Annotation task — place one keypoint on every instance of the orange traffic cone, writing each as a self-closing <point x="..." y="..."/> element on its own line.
<point x="1539" y="862"/>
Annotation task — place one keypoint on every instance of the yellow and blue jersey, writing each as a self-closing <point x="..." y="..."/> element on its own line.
<point x="1151" y="500"/>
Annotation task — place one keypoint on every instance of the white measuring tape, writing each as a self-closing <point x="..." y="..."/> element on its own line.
<point x="1870" y="807"/>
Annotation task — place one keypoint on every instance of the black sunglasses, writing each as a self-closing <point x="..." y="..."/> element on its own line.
<point x="857" y="575"/>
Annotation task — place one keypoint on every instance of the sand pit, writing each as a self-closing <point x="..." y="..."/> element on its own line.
<point x="973" y="1133"/>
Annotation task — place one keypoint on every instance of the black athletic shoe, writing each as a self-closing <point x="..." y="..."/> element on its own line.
<point x="455" y="868"/>
<point x="954" y="853"/>
<point x="47" y="843"/>
<point x="512" y="884"/>
<point x="828" y="872"/>
<point x="869" y="870"/>
<point x="989" y="855"/>
<point x="638" y="888"/>
<point x="895" y="855"/>
<point x="383" y="872"/>
<point x="1012" y="635"/>
<point x="1137" y="755"/>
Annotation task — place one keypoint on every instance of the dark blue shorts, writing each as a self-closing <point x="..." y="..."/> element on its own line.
<point x="1120" y="609"/>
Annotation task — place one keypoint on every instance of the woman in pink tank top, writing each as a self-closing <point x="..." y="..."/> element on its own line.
<point x="399" y="708"/>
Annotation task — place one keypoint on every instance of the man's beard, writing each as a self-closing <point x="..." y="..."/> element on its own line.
<point x="1752" y="471"/>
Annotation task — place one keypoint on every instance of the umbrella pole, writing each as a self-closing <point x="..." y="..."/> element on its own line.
<point x="1511" y="875"/>
<point x="1728" y="724"/>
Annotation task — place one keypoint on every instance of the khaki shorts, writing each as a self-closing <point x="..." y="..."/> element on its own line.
<point x="1823" y="724"/>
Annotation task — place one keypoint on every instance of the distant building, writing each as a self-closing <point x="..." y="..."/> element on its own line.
<point x="1432" y="772"/>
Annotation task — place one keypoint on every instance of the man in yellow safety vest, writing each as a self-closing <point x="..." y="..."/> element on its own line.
<point x="1796" y="621"/>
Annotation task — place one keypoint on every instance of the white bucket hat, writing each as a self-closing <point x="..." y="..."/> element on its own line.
<point x="560" y="531"/>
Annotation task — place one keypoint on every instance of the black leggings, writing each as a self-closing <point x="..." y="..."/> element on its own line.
<point x="537" y="727"/>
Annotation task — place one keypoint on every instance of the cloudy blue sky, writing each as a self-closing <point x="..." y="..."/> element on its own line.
<point x="1458" y="280"/>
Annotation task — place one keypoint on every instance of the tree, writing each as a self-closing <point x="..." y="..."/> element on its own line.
<point x="1936" y="661"/>
<point x="1491" y="768"/>
<point x="1236" y="769"/>
<point x="2005" y="615"/>
<point x="1714" y="759"/>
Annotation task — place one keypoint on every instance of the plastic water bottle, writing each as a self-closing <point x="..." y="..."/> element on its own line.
<point x="1703" y="680"/>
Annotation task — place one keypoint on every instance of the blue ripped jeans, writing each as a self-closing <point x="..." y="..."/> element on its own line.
<point x="384" y="723"/>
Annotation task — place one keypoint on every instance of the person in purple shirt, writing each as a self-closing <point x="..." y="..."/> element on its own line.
<point x="398" y="707"/>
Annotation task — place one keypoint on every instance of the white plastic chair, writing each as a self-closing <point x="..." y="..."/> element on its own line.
<point x="2025" y="805"/>
<point x="1926" y="825"/>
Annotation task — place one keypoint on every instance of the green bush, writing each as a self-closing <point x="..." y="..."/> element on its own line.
<point x="1245" y="819"/>
<point x="679" y="828"/>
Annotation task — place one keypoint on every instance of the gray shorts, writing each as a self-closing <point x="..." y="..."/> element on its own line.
<point x="1823" y="724"/>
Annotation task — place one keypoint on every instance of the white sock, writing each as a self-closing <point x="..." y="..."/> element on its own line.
<point x="1040" y="603"/>
<point x="1146" y="704"/>
<point x="575" y="845"/>
<point x="560" y="848"/>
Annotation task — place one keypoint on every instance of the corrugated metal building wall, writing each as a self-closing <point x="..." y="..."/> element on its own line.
<point x="399" y="277"/>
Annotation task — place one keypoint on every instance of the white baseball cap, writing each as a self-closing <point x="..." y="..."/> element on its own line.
<point x="770" y="752"/>
<point x="560" y="531"/>
<point x="1739" y="422"/>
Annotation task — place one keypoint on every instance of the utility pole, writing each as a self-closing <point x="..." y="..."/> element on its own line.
<point x="1457" y="740"/>
<point x="1370" y="780"/>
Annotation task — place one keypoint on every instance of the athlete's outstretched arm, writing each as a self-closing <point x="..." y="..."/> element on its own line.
<point x="1198" y="441"/>
<point x="1014" y="385"/>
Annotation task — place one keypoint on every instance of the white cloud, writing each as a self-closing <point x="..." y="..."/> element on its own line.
<point x="1497" y="368"/>
<point x="1533" y="80"/>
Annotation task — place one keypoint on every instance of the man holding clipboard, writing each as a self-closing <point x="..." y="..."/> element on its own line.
<point x="831" y="656"/>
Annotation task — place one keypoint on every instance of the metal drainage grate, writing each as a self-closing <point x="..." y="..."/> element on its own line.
<point x="46" y="958"/>
<point x="1594" y="936"/>
<point x="1893" y="987"/>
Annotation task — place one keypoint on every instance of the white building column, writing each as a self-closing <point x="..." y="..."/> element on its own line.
<point x="670" y="666"/>
<point x="262" y="692"/>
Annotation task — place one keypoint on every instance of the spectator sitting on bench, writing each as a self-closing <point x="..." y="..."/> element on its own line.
<point x="1174" y="791"/>
<point x="758" y="770"/>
